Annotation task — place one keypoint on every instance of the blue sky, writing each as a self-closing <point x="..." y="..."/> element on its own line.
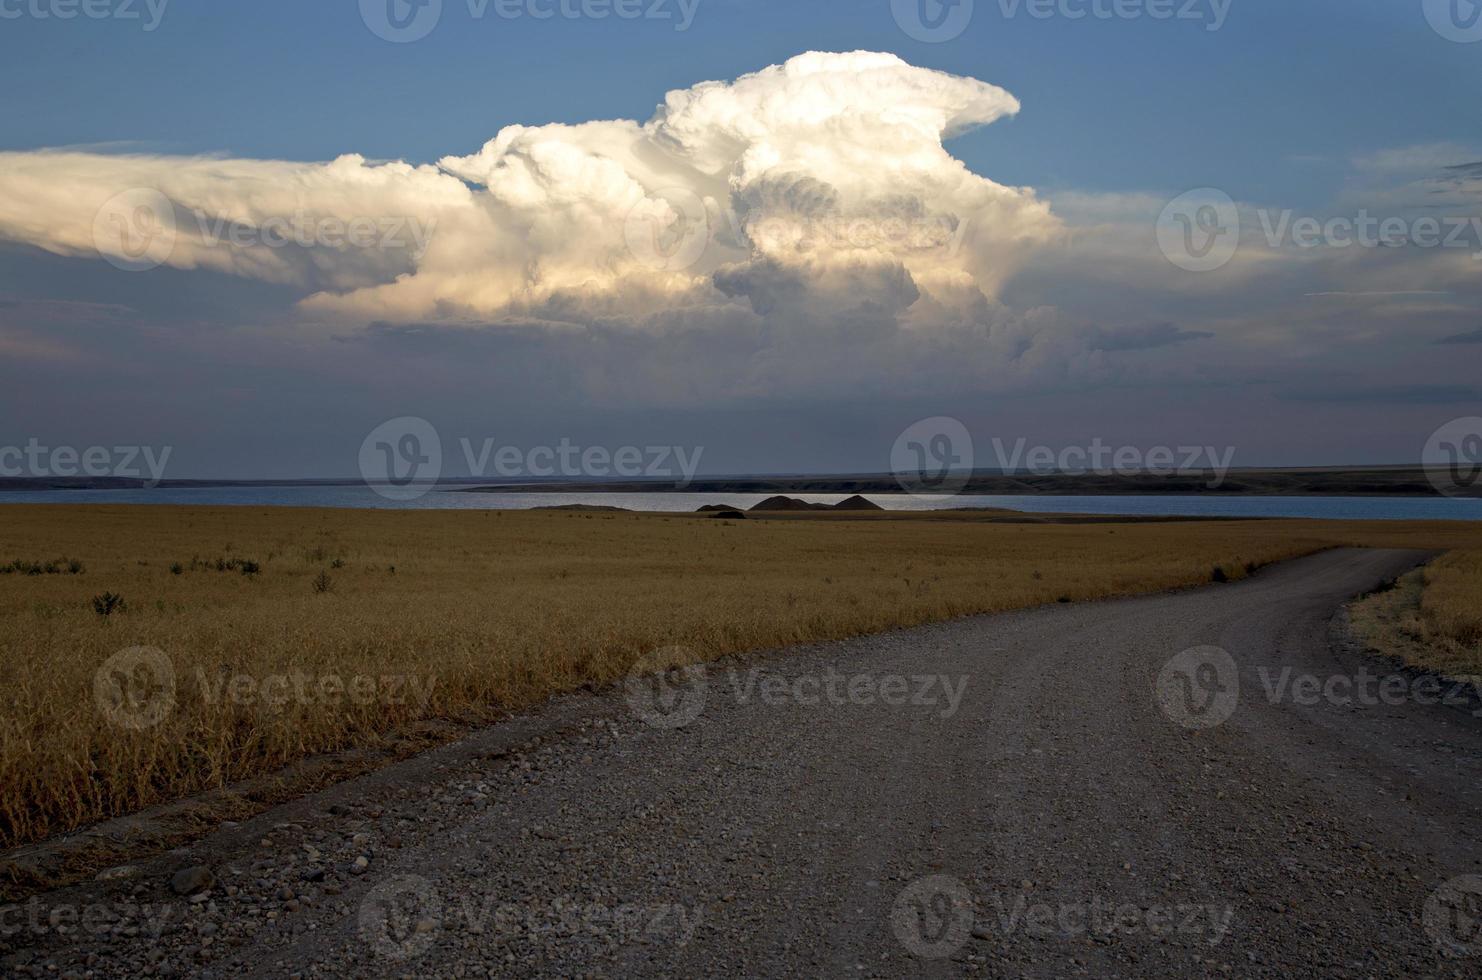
<point x="1109" y="105"/>
<point x="1325" y="107"/>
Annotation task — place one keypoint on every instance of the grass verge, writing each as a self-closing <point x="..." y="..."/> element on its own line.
<point x="1431" y="619"/>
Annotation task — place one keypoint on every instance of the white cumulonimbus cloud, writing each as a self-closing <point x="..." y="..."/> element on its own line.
<point x="820" y="182"/>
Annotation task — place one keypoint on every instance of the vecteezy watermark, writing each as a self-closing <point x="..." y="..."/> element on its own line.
<point x="403" y="459"/>
<point x="276" y="691"/>
<point x="936" y="21"/>
<point x="1103" y="459"/>
<point x="1453" y="458"/>
<point x="405" y="21"/>
<point x="42" y="462"/>
<point x="400" y="917"/>
<point x="933" y="457"/>
<point x="1212" y="14"/>
<point x="932" y="21"/>
<point x="137" y="689"/>
<point x="1453" y="917"/>
<point x="135" y="230"/>
<point x="674" y="696"/>
<point x="1455" y="20"/>
<point x="1199" y="231"/>
<point x="1364" y="689"/>
<point x="1199" y="688"/>
<point x="408" y="233"/>
<point x="940" y="234"/>
<point x="671" y="229"/>
<point x="139" y="229"/>
<point x="666" y="689"/>
<point x="148" y="14"/>
<point x="87" y="922"/>
<point x="1283" y="229"/>
<point x="403" y="917"/>
<point x="566" y="459"/>
<point x="1102" y="917"/>
<point x="933" y="918"/>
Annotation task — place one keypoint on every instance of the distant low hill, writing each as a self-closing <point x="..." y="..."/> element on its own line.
<point x="1379" y="481"/>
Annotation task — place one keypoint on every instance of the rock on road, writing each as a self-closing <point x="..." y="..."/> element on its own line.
<point x="1076" y="790"/>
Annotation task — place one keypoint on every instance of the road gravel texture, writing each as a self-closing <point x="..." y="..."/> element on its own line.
<point x="1198" y="784"/>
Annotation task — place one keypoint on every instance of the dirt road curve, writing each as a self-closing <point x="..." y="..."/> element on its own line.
<point x="1081" y="790"/>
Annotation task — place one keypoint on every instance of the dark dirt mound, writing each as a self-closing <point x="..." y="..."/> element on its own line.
<point x="780" y="503"/>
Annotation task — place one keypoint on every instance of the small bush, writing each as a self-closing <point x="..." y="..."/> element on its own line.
<point x="108" y="603"/>
<point x="177" y="569"/>
<point x="323" y="583"/>
<point x="1218" y="575"/>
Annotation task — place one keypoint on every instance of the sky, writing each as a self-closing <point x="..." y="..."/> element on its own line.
<point x="781" y="232"/>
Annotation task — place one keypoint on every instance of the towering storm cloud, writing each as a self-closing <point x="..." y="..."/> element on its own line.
<point x="814" y="186"/>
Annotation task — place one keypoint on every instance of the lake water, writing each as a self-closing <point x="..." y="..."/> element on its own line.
<point x="361" y="497"/>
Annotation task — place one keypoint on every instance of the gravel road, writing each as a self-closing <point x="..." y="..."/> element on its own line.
<point x="1198" y="784"/>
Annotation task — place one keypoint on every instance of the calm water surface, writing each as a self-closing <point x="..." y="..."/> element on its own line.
<point x="1340" y="508"/>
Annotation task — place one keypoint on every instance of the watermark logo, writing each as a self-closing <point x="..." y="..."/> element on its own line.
<point x="1104" y="459"/>
<point x="670" y="230"/>
<point x="135" y="688"/>
<point x="402" y="459"/>
<point x="149" y="13"/>
<point x="1453" y="917"/>
<point x="941" y="694"/>
<point x="412" y="235"/>
<point x="1455" y="20"/>
<point x="1368" y="230"/>
<point x="404" y="21"/>
<point x="1211" y="13"/>
<point x="93" y="922"/>
<point x="402" y="918"/>
<point x="1199" y="688"/>
<point x="401" y="21"/>
<point x="399" y="917"/>
<point x="666" y="690"/>
<point x="933" y="917"/>
<point x="1369" y="690"/>
<point x="275" y="692"/>
<point x="38" y="461"/>
<point x="1199" y="231"/>
<point x="932" y="21"/>
<point x="933" y="457"/>
<point x="1453" y="458"/>
<point x="135" y="230"/>
<point x="940" y="234"/>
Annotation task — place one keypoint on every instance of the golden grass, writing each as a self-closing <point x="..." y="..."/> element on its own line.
<point x="488" y="612"/>
<point x="1432" y="619"/>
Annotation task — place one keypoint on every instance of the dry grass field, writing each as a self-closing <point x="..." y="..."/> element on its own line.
<point x="1432" y="619"/>
<point x="151" y="653"/>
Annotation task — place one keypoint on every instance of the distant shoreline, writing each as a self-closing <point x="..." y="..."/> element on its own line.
<point x="1377" y="481"/>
